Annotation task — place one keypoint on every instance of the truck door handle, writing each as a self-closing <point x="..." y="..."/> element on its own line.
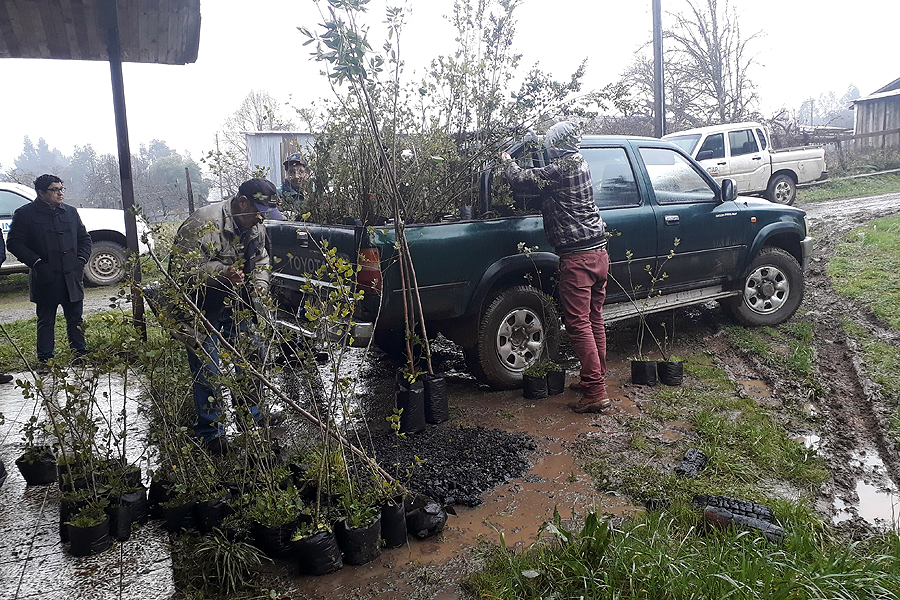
<point x="722" y="163"/>
<point x="672" y="220"/>
<point x="757" y="158"/>
<point x="302" y="239"/>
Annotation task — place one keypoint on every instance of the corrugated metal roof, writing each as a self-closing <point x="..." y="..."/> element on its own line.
<point x="878" y="96"/>
<point x="894" y="85"/>
<point x="150" y="31"/>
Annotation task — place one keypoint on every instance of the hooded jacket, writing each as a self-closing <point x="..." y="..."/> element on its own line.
<point x="572" y="221"/>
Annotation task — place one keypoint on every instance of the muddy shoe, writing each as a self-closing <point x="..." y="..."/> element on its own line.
<point x="594" y="406"/>
<point x="576" y="386"/>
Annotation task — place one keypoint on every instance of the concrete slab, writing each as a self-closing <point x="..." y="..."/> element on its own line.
<point x="34" y="563"/>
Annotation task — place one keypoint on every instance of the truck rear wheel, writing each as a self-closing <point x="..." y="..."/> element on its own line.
<point x="772" y="291"/>
<point x="519" y="328"/>
<point x="106" y="266"/>
<point x="782" y="190"/>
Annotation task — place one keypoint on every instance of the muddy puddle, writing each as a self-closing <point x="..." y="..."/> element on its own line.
<point x="514" y="510"/>
<point x="877" y="500"/>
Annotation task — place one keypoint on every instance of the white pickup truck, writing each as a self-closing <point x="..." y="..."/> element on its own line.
<point x="743" y="152"/>
<point x="106" y="226"/>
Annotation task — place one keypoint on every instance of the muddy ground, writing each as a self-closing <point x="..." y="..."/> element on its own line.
<point x="464" y="463"/>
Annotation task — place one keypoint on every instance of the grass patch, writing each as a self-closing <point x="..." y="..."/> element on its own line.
<point x="749" y="450"/>
<point x="665" y="555"/>
<point x="850" y="188"/>
<point x="14" y="284"/>
<point x="789" y="345"/>
<point x="111" y="339"/>
<point x="865" y="265"/>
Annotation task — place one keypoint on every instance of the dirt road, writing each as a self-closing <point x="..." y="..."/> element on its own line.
<point x="864" y="463"/>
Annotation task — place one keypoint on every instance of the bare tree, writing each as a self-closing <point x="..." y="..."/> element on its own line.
<point x="230" y="161"/>
<point x="706" y="67"/>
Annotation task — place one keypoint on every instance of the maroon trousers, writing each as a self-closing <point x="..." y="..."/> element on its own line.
<point x="582" y="290"/>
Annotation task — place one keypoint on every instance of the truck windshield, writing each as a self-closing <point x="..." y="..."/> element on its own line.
<point x="685" y="142"/>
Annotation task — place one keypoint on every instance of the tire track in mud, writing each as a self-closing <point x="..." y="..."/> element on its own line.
<point x="856" y="414"/>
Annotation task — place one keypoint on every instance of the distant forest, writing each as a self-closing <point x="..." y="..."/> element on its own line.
<point x="92" y="179"/>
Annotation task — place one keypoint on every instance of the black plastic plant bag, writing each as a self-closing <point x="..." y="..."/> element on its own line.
<point x="411" y="400"/>
<point x="393" y="523"/>
<point x="360" y="545"/>
<point x="437" y="408"/>
<point x="534" y="388"/>
<point x="89" y="540"/>
<point x="318" y="554"/>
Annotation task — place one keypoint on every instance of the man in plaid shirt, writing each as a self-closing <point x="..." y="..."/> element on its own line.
<point x="576" y="231"/>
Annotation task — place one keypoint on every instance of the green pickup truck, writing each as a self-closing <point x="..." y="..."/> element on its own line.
<point x="481" y="290"/>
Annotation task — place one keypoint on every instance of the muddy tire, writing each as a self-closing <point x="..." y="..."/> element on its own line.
<point x="782" y="190"/>
<point x="772" y="290"/>
<point x="519" y="327"/>
<point x="106" y="266"/>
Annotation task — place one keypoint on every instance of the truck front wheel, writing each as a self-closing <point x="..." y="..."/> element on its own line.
<point x="519" y="327"/>
<point x="772" y="291"/>
<point x="106" y="266"/>
<point x="782" y="190"/>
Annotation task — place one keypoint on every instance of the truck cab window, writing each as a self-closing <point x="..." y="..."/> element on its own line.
<point x="674" y="179"/>
<point x="762" y="138"/>
<point x="614" y="184"/>
<point x="742" y="142"/>
<point x="713" y="147"/>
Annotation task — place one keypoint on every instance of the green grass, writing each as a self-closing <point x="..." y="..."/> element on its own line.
<point x="666" y="555"/>
<point x="14" y="284"/>
<point x="748" y="448"/>
<point x="110" y="338"/>
<point x="849" y="188"/>
<point x="865" y="267"/>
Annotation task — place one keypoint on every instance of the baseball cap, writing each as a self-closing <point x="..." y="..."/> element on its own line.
<point x="296" y="157"/>
<point x="264" y="195"/>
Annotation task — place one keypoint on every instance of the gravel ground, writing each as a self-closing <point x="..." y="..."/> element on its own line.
<point x="460" y="462"/>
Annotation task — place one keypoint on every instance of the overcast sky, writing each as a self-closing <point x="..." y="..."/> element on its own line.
<point x="807" y="48"/>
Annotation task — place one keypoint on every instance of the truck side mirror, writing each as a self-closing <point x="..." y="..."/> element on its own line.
<point x="705" y="155"/>
<point x="728" y="193"/>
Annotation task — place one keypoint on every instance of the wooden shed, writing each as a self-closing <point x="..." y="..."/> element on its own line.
<point x="878" y="118"/>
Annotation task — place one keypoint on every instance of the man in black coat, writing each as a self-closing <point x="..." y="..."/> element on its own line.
<point x="49" y="237"/>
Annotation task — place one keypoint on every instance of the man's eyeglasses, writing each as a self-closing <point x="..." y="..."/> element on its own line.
<point x="56" y="189"/>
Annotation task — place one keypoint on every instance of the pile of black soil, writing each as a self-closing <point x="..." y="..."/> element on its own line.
<point x="460" y="463"/>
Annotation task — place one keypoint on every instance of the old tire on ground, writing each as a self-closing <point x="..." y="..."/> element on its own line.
<point x="782" y="190"/>
<point x="519" y="327"/>
<point x="772" y="290"/>
<point x="106" y="266"/>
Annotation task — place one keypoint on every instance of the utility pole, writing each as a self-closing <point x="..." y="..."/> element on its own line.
<point x="110" y="20"/>
<point x="659" y="98"/>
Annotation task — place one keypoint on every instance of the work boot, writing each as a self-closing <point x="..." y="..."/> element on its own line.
<point x="590" y="405"/>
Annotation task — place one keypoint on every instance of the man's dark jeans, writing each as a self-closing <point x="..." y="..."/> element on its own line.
<point x="46" y="323"/>
<point x="206" y="370"/>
